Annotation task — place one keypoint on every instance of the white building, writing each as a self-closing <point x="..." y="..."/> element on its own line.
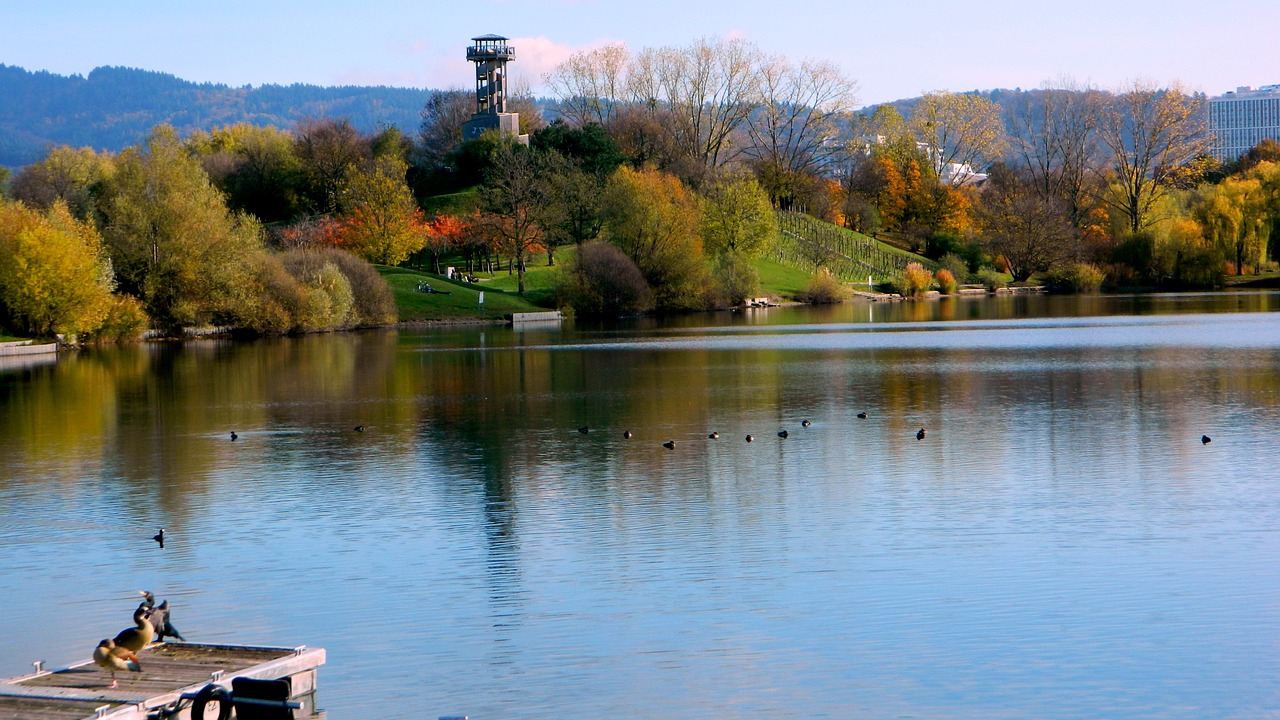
<point x="1240" y="120"/>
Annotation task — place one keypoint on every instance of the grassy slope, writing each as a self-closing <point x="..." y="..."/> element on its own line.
<point x="462" y="302"/>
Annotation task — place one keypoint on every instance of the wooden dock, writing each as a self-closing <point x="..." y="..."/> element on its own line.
<point x="169" y="671"/>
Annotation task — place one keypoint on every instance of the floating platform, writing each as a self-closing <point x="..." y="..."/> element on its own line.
<point x="169" y="671"/>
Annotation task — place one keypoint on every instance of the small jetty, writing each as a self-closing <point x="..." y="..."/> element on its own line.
<point x="19" y="348"/>
<point x="172" y="676"/>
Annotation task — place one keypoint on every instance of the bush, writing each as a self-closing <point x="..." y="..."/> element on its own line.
<point x="957" y="265"/>
<point x="1075" y="278"/>
<point x="992" y="280"/>
<point x="125" y="321"/>
<point x="603" y="282"/>
<point x="946" y="282"/>
<point x="824" y="289"/>
<point x="915" y="281"/>
<point x="371" y="299"/>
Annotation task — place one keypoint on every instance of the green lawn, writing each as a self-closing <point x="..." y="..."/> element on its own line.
<point x="462" y="300"/>
<point x="781" y="280"/>
<point x="459" y="203"/>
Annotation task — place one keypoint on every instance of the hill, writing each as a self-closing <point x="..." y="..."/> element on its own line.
<point x="115" y="107"/>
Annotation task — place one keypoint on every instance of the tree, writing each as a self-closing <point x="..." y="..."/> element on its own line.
<point x="444" y="233"/>
<point x="515" y="198"/>
<point x="1030" y="232"/>
<point x="738" y="218"/>
<point x="1054" y="134"/>
<point x="1149" y="134"/>
<point x="795" y="130"/>
<point x="381" y="221"/>
<point x="603" y="282"/>
<point x="964" y="129"/>
<point x="589" y="146"/>
<point x="590" y="84"/>
<point x="255" y="166"/>
<point x="54" y="275"/>
<point x="443" y="116"/>
<point x="66" y="174"/>
<point x="173" y="243"/>
<point x="655" y="219"/>
<point x="328" y="150"/>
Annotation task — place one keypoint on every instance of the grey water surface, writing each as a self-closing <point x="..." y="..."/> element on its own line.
<point x="1060" y="544"/>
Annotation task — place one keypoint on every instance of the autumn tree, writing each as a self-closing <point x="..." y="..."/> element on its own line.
<point x="1149" y="135"/>
<point x="254" y="166"/>
<point x="1032" y="233"/>
<point x="172" y="241"/>
<point x="66" y="174"/>
<point x="54" y="273"/>
<point x="964" y="129"/>
<point x="1054" y="136"/>
<point x="737" y="217"/>
<point x="590" y="84"/>
<point x="328" y="150"/>
<point x="381" y="222"/>
<point x="655" y="220"/>
<point x="444" y="233"/>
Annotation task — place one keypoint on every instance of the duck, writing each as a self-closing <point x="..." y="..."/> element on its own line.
<point x="159" y="537"/>
<point x="111" y="658"/>
<point x="805" y="423"/>
<point x="234" y="436"/>
<point x="783" y="434"/>
<point x="920" y="435"/>
<point x="1205" y="439"/>
<point x="626" y="434"/>
<point x="584" y="429"/>
<point x="160" y="617"/>
<point x="359" y="428"/>
<point x="862" y="416"/>
<point x="750" y="438"/>
<point x="135" y="638"/>
<point x="714" y="436"/>
<point x="670" y="444"/>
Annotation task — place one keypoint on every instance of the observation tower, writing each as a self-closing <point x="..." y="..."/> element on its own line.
<point x="491" y="53"/>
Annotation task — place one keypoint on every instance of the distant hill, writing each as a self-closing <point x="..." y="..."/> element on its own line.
<point x="115" y="107"/>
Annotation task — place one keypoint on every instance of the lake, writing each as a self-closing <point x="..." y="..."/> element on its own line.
<point x="1060" y="544"/>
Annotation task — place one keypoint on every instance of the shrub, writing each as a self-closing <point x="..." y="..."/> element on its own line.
<point x="957" y="265"/>
<point x="125" y="321"/>
<point x="946" y="282"/>
<point x="824" y="288"/>
<point x="914" y="281"/>
<point x="737" y="278"/>
<point x="603" y="282"/>
<point x="1076" y="278"/>
<point x="371" y="299"/>
<point x="992" y="280"/>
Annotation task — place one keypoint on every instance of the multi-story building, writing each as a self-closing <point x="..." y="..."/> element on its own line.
<point x="1240" y="120"/>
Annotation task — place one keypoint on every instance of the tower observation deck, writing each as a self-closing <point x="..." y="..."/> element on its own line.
<point x="491" y="53"/>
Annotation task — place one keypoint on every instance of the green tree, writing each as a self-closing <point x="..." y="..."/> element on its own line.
<point x="54" y="275"/>
<point x="575" y="204"/>
<point x="738" y="217"/>
<point x="171" y="239"/>
<point x="66" y="174"/>
<point x="515" y="198"/>
<point x="255" y="167"/>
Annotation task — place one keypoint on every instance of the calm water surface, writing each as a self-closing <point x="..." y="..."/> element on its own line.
<point x="1060" y="545"/>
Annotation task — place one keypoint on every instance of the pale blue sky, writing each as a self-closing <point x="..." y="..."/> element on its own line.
<point x="893" y="49"/>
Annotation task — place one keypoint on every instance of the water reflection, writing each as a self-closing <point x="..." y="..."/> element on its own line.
<point x="1059" y="545"/>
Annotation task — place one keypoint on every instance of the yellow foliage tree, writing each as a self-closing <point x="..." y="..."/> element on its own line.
<point x="381" y="221"/>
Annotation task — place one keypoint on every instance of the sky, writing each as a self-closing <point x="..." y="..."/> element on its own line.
<point x="893" y="49"/>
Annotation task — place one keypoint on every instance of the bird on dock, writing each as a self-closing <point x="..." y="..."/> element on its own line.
<point x="750" y="438"/>
<point x="234" y="436"/>
<point x="135" y="638"/>
<point x="584" y="429"/>
<point x="862" y="416"/>
<point x="920" y="435"/>
<point x="714" y="436"/>
<point x="161" y="617"/>
<point x="626" y="434"/>
<point x="783" y="434"/>
<point x="159" y="537"/>
<point x="805" y="423"/>
<point x="359" y="428"/>
<point x="670" y="444"/>
<point x="1205" y="439"/>
<point x="111" y="658"/>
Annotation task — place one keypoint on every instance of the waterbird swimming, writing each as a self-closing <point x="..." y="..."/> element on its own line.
<point x="234" y="436"/>
<point x="783" y="434"/>
<point x="750" y="438"/>
<point x="109" y="657"/>
<point x="920" y="435"/>
<point x="670" y="444"/>
<point x="626" y="434"/>
<point x="1205" y="439"/>
<point x="584" y="430"/>
<point x="160" y="617"/>
<point x="714" y="436"/>
<point x="862" y="416"/>
<point x="359" y="428"/>
<point x="159" y="537"/>
<point x="804" y="423"/>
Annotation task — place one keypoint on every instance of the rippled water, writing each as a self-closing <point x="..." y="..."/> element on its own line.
<point x="1059" y="545"/>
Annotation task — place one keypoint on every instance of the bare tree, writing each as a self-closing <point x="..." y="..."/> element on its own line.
<point x="1150" y="134"/>
<point x="590" y="84"/>
<point x="1031" y="232"/>
<point x="1054" y="136"/>
<point x="515" y="199"/>
<point x="442" y="119"/>
<point x="796" y="126"/>
<point x="959" y="128"/>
